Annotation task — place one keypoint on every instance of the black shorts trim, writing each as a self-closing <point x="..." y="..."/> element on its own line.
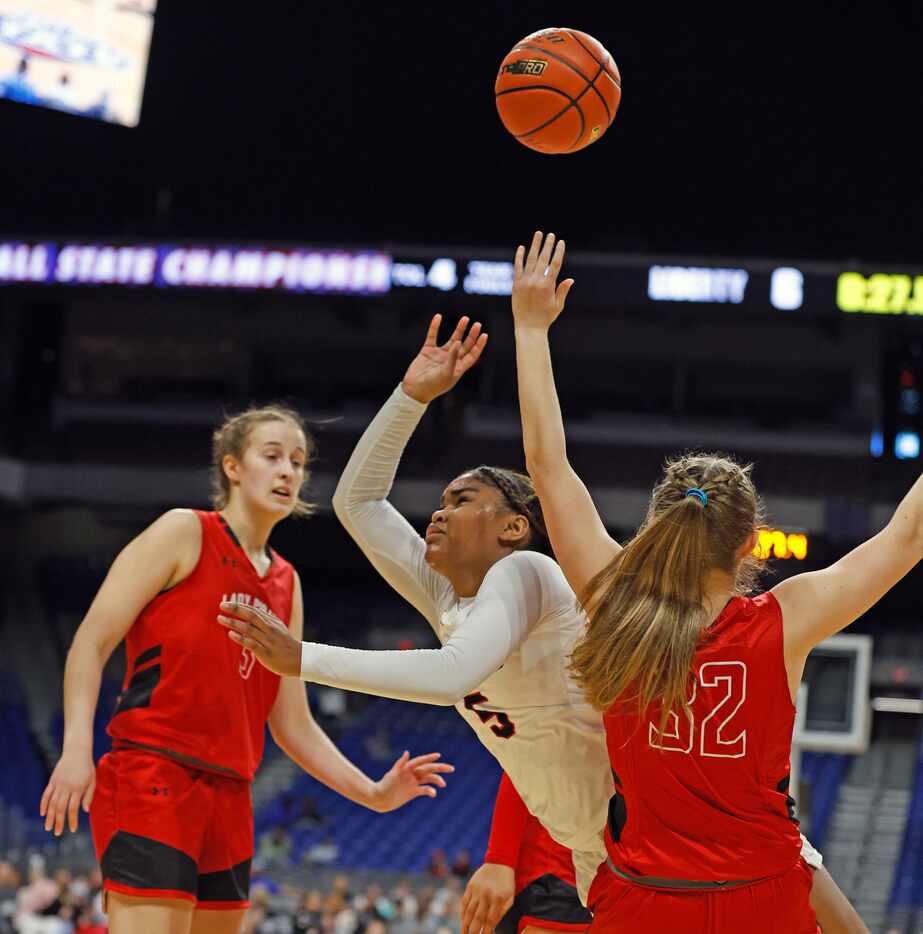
<point x="547" y="898"/>
<point x="228" y="885"/>
<point x="143" y="863"/>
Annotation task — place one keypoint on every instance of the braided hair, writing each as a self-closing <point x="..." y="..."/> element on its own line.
<point x="647" y="610"/>
<point x="519" y="495"/>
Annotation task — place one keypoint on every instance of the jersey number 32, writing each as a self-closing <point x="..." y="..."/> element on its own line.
<point x="725" y="685"/>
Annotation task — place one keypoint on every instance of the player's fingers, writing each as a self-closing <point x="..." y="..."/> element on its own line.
<point x="426" y="791"/>
<point x="73" y="809"/>
<point x="544" y="258"/>
<point x="432" y="332"/>
<point x="50" y="812"/>
<point x="46" y="796"/>
<point x="237" y="626"/>
<point x="454" y="354"/>
<point x="560" y="296"/>
<point x="518" y="262"/>
<point x="436" y="767"/>
<point x="459" y="332"/>
<point x="60" y="813"/>
<point x="534" y="249"/>
<point x="247" y="642"/>
<point x="479" y="918"/>
<point x="471" y="337"/>
<point x="557" y="260"/>
<point x="425" y="759"/>
<point x="88" y="795"/>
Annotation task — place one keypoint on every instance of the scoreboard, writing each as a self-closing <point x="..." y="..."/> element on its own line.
<point x="739" y="288"/>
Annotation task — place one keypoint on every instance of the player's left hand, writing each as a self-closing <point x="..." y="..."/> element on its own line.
<point x="408" y="779"/>
<point x="488" y="896"/>
<point x="538" y="299"/>
<point x="269" y="640"/>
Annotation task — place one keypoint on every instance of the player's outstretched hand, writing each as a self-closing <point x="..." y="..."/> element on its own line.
<point x="71" y="785"/>
<point x="538" y="298"/>
<point x="437" y="368"/>
<point x="408" y="779"/>
<point x="269" y="640"/>
<point x="488" y="896"/>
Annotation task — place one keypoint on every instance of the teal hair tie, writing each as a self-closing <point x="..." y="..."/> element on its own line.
<point x="699" y="494"/>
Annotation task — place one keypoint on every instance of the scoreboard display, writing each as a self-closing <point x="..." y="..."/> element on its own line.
<point x="730" y="289"/>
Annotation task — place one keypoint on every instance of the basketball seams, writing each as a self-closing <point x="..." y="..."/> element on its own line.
<point x="547" y="87"/>
<point x="589" y="52"/>
<point x="574" y="68"/>
<point x="602" y="70"/>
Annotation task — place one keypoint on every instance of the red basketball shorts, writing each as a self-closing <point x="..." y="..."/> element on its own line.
<point x="546" y="893"/>
<point x="779" y="904"/>
<point x="165" y="830"/>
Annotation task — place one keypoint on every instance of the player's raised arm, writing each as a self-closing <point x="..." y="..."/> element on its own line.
<point x="819" y="603"/>
<point x="361" y="499"/>
<point x="581" y="543"/>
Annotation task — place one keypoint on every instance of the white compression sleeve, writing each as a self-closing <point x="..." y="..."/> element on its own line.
<point x="509" y="601"/>
<point x="361" y="504"/>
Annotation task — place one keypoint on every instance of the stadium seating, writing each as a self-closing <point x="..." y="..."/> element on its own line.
<point x="907" y="894"/>
<point x="23" y="775"/>
<point x="401" y="840"/>
<point x="825" y="772"/>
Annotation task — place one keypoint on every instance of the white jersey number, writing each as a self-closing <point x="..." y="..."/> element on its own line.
<point x="726" y="682"/>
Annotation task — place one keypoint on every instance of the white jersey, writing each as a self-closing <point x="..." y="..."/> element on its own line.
<point x="503" y="657"/>
<point x="503" y="660"/>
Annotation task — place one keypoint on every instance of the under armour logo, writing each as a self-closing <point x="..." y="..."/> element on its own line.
<point x="160" y="791"/>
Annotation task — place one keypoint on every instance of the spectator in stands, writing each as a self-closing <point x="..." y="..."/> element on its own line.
<point x="438" y="866"/>
<point x="274" y="849"/>
<point x="461" y="866"/>
<point x="406" y="903"/>
<point x="171" y="809"/>
<point x="324" y="853"/>
<point x="301" y="811"/>
<point x="309" y="914"/>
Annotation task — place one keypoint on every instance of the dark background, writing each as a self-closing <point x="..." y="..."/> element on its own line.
<point x="766" y="130"/>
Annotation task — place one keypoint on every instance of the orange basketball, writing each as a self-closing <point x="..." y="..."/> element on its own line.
<point x="558" y="90"/>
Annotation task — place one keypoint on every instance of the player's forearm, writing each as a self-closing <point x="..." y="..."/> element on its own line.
<point x="311" y="749"/>
<point x="542" y="424"/>
<point x="82" y="676"/>
<point x="425" y="676"/>
<point x="369" y="473"/>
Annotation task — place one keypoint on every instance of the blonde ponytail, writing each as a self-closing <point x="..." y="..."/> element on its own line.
<point x="646" y="607"/>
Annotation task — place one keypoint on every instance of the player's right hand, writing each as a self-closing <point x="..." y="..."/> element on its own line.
<point x="71" y="785"/>
<point x="436" y="369"/>
<point x="488" y="896"/>
<point x="538" y="298"/>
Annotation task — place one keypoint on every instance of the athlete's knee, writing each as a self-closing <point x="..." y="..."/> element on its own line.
<point x="211" y="921"/>
<point x="133" y="914"/>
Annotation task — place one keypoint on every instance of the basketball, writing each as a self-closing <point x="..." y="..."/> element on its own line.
<point x="558" y="90"/>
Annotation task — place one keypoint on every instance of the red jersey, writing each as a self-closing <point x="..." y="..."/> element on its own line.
<point x="189" y="690"/>
<point x="706" y="800"/>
